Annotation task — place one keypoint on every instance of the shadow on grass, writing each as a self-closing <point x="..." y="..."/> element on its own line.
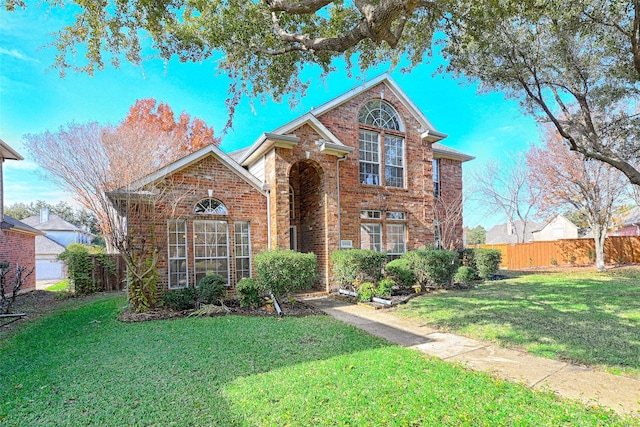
<point x="84" y="367"/>
<point x="587" y="321"/>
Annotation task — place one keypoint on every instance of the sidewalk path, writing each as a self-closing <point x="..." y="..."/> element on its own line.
<point x="620" y="393"/>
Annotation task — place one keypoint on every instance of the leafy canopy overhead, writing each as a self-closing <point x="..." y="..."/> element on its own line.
<point x="575" y="63"/>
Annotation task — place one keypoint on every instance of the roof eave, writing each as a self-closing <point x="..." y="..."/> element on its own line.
<point x="266" y="143"/>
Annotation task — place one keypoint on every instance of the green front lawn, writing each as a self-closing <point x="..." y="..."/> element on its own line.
<point x="82" y="367"/>
<point x="582" y="317"/>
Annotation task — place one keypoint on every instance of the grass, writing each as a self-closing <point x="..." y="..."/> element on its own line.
<point x="62" y="285"/>
<point x="581" y="317"/>
<point x="80" y="366"/>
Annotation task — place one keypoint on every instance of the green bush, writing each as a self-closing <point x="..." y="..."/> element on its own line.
<point x="80" y="268"/>
<point x="465" y="275"/>
<point x="249" y="292"/>
<point x="351" y="265"/>
<point x="366" y="291"/>
<point x="284" y="271"/>
<point x="180" y="299"/>
<point x="488" y="262"/>
<point x="433" y="266"/>
<point x="399" y="270"/>
<point x="385" y="288"/>
<point x="212" y="288"/>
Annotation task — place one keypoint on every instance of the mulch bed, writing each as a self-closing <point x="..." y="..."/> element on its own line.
<point x="231" y="307"/>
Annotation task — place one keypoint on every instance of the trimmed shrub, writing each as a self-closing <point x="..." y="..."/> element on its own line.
<point x="433" y="266"/>
<point x="488" y="262"/>
<point x="385" y="288"/>
<point x="357" y="265"/>
<point x="180" y="299"/>
<point x="399" y="270"/>
<point x="249" y="292"/>
<point x="465" y="275"/>
<point x="80" y="267"/>
<point x="212" y="288"/>
<point x="283" y="272"/>
<point x="366" y="291"/>
<point x="467" y="257"/>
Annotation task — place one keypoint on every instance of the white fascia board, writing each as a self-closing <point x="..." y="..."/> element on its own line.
<point x="452" y="154"/>
<point x="311" y="120"/>
<point x="397" y="91"/>
<point x="6" y="152"/>
<point x="337" y="150"/>
<point x="335" y="102"/>
<point x="269" y="141"/>
<point x="433" y="135"/>
<point x="196" y="156"/>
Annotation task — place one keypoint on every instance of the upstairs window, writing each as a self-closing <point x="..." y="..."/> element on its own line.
<point x="378" y="149"/>
<point x="379" y="114"/>
<point x="436" y="178"/>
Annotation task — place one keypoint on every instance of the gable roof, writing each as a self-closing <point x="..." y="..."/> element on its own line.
<point x="7" y="152"/>
<point x="282" y="136"/>
<point x="333" y="145"/>
<point x="45" y="245"/>
<point x="184" y="162"/>
<point x="499" y="234"/>
<point x="55" y="223"/>
<point x="427" y="128"/>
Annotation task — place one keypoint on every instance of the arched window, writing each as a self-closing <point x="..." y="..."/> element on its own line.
<point x="378" y="113"/>
<point x="210" y="206"/>
<point x="382" y="148"/>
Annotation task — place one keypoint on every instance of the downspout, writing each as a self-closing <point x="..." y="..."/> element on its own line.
<point x="265" y="188"/>
<point x="343" y="158"/>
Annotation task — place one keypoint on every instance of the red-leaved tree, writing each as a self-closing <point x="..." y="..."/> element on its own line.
<point x="149" y="117"/>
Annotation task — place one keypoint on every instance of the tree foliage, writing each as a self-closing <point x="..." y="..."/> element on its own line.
<point x="476" y="235"/>
<point x="568" y="179"/>
<point x="574" y="64"/>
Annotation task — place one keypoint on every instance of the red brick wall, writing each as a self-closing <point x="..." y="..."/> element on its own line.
<point x="183" y="190"/>
<point x="19" y="248"/>
<point x="450" y="198"/>
<point x="416" y="199"/>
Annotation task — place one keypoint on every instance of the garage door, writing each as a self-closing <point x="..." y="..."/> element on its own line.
<point x="48" y="270"/>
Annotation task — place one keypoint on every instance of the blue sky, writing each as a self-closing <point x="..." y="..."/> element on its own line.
<point x="33" y="99"/>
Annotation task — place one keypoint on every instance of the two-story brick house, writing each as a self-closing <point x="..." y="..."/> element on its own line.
<point x="361" y="170"/>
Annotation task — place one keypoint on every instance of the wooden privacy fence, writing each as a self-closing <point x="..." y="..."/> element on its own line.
<point x="109" y="279"/>
<point x="617" y="249"/>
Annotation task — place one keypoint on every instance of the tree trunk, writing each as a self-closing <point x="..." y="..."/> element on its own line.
<point x="599" y="235"/>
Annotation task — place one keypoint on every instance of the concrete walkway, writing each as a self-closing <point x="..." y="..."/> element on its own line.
<point x="620" y="393"/>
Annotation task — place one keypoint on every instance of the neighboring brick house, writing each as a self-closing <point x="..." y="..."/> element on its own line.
<point x="358" y="171"/>
<point x="17" y="240"/>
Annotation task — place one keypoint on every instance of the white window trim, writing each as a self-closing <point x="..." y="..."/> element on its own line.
<point x="235" y="253"/>
<point x="404" y="161"/>
<point x="381" y="234"/>
<point x="195" y="259"/>
<point x="436" y="169"/>
<point x="378" y="163"/>
<point x="186" y="254"/>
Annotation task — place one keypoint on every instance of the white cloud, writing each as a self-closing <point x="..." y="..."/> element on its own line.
<point x="15" y="53"/>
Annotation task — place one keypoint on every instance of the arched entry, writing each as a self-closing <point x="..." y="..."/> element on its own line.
<point x="307" y="216"/>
